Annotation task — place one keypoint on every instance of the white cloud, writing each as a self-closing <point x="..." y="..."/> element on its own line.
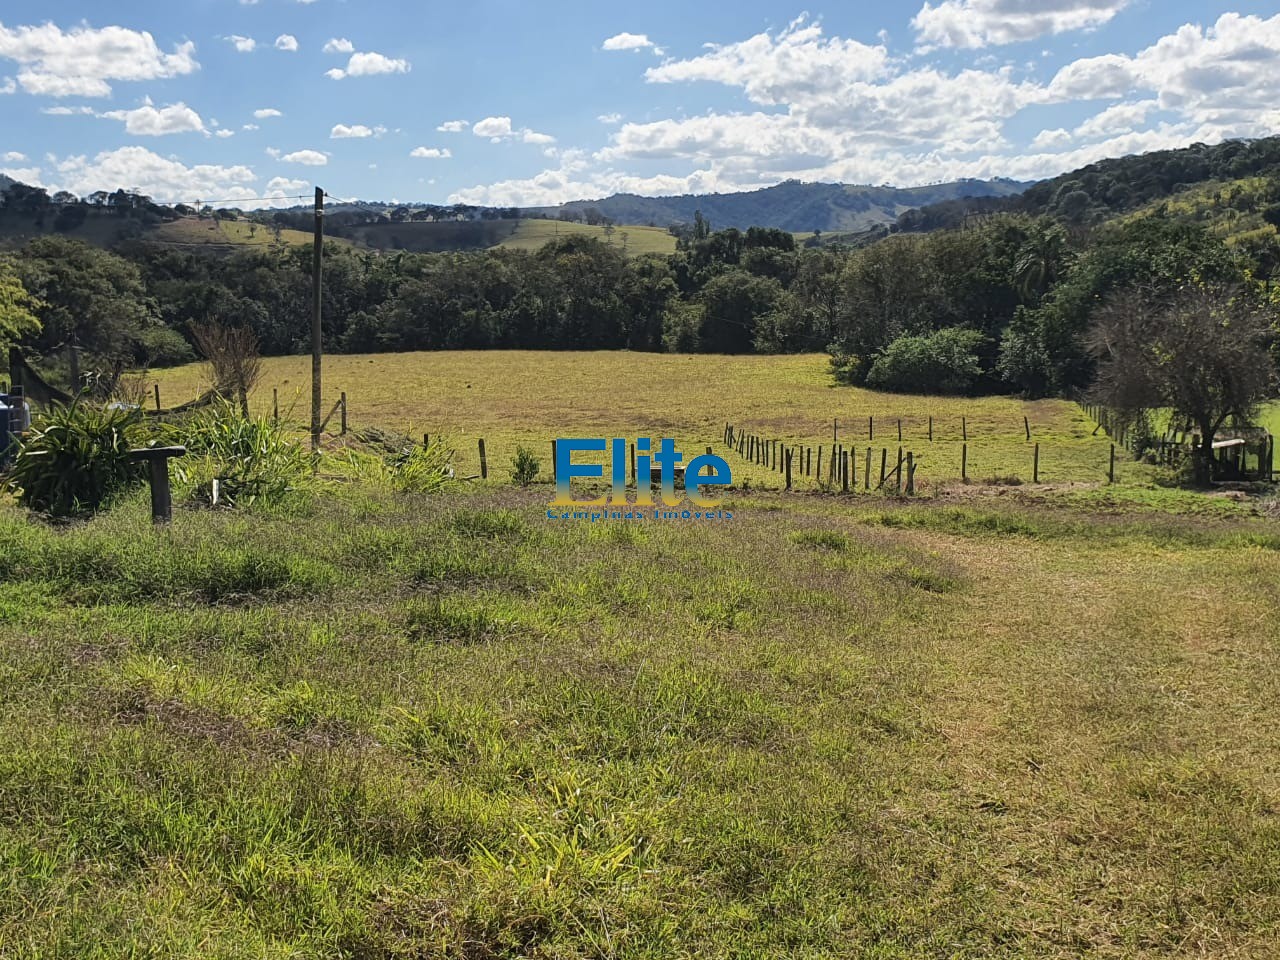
<point x="250" y="127"/>
<point x="14" y="157"/>
<point x="225" y="133"/>
<point x="356" y="131"/>
<point x="165" y="179"/>
<point x="492" y="127"/>
<point x="242" y="44"/>
<point x="1116" y="119"/>
<point x="1050" y="139"/>
<point x="981" y="23"/>
<point x="152" y="121"/>
<point x="339" y="45"/>
<point x="431" y="153"/>
<point x="8" y="85"/>
<point x="61" y="111"/>
<point x="631" y="41"/>
<point x="287" y="42"/>
<point x="452" y="126"/>
<point x="368" y="65"/>
<point x="272" y="152"/>
<point x="28" y="175"/>
<point x="267" y="113"/>
<point x="531" y="136"/>
<point x="82" y="61"/>
<point x="310" y="158"/>
<point x="610" y="119"/>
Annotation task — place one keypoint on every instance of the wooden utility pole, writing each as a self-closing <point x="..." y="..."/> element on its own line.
<point x="316" y="260"/>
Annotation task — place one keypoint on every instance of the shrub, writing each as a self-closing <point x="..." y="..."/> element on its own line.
<point x="410" y="469"/>
<point x="74" y="459"/>
<point x="943" y="362"/>
<point x="253" y="459"/>
<point x="524" y="467"/>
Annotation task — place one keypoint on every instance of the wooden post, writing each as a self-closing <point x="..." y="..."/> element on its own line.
<point x="157" y="396"/>
<point x="964" y="429"/>
<point x="899" y="429"/>
<point x="1026" y="425"/>
<point x="1111" y="469"/>
<point x="931" y="428"/>
<point x="866" y="477"/>
<point x="484" y="462"/>
<point x="275" y="407"/>
<point x="157" y="459"/>
<point x="788" y="465"/>
<point x="344" y="413"/>
<point x="884" y="463"/>
<point x="871" y="428"/>
<point x="426" y="441"/>
<point x="964" y="461"/>
<point x="819" y="474"/>
<point x="835" y="430"/>
<point x="1035" y="465"/>
<point x="898" y="472"/>
<point x="911" y="474"/>
<point x="317" y="260"/>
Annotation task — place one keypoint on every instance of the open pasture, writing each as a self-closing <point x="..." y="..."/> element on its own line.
<point x="515" y="397"/>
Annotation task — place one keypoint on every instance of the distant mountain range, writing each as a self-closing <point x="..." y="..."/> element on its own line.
<point x="793" y="206"/>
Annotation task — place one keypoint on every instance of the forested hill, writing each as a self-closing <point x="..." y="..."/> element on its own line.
<point x="1112" y="187"/>
<point x="792" y="206"/>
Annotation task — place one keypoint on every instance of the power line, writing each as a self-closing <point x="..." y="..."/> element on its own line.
<point x="209" y="203"/>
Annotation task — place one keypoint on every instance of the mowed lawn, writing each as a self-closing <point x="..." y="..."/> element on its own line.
<point x="443" y="726"/>
<point x="511" y="398"/>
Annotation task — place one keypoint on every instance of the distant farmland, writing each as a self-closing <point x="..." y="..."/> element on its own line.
<point x="446" y="235"/>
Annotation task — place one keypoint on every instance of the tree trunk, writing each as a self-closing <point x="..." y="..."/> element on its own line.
<point x="1202" y="457"/>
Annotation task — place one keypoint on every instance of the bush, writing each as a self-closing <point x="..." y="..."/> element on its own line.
<point x="411" y="469"/>
<point x="944" y="362"/>
<point x="524" y="467"/>
<point x="74" y="459"/>
<point x="253" y="459"/>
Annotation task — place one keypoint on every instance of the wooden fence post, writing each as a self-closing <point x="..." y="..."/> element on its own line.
<point x="866" y="477"/>
<point x="344" y="414"/>
<point x="931" y="428"/>
<point x="844" y="470"/>
<point x="964" y="429"/>
<point x="899" y="429"/>
<point x="871" y="428"/>
<point x="911" y="474"/>
<point x="1035" y="465"/>
<point x="964" y="461"/>
<point x="835" y="429"/>
<point x="484" y="462"/>
<point x="275" y="406"/>
<point x="157" y="396"/>
<point x="788" y="465"/>
<point x="426" y="441"/>
<point x="1026" y="425"/>
<point x="884" y="463"/>
<point x="819" y="474"/>
<point x="1111" y="468"/>
<point x="898" y="472"/>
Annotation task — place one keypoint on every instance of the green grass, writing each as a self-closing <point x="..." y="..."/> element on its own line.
<point x="512" y="398"/>
<point x="195" y="231"/>
<point x="633" y="240"/>
<point x="397" y="725"/>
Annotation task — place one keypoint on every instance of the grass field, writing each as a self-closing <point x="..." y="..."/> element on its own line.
<point x="635" y="241"/>
<point x="512" y="398"/>
<point x="194" y="231"/>
<point x="378" y="726"/>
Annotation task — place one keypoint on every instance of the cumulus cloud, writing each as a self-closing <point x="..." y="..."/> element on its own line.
<point x="242" y="44"/>
<point x="267" y="113"/>
<point x="287" y="42"/>
<point x="13" y="157"/>
<point x="8" y="85"/>
<point x="309" y="158"/>
<point x="430" y="153"/>
<point x="358" y="131"/>
<point x="610" y="119"/>
<point x="1116" y="119"/>
<point x="83" y="60"/>
<point x="163" y="178"/>
<point x="982" y="23"/>
<point x="225" y="133"/>
<point x="631" y="41"/>
<point x="452" y="126"/>
<point x="368" y="65"/>
<point x="498" y="129"/>
<point x="339" y="45"/>
<point x="151" y="121"/>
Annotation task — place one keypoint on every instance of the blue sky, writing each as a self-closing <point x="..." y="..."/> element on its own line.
<point x="505" y="102"/>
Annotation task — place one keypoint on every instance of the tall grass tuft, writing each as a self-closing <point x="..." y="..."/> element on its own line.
<point x="74" y="459"/>
<point x="253" y="459"/>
